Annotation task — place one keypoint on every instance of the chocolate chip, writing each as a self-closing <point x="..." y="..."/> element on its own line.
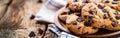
<point x="111" y="7"/>
<point x="92" y="12"/>
<point x="78" y="14"/>
<point x="117" y="17"/>
<point x="32" y="34"/>
<point x="74" y="23"/>
<point x="40" y="31"/>
<point x="115" y="13"/>
<point x="79" y="28"/>
<point x="114" y="24"/>
<point x="107" y="1"/>
<point x="79" y="11"/>
<point x="75" y="0"/>
<point x="85" y="16"/>
<point x="71" y="11"/>
<point x="105" y="16"/>
<point x="100" y="6"/>
<point x="64" y="13"/>
<point x="88" y="23"/>
<point x="111" y="18"/>
<point x="40" y="1"/>
<point x="104" y="10"/>
<point x="94" y="27"/>
<point x="80" y="20"/>
<point x="85" y="1"/>
<point x="67" y="5"/>
<point x="115" y="2"/>
<point x="90" y="17"/>
<point x="32" y="17"/>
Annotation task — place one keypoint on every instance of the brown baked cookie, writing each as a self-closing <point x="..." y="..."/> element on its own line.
<point x="81" y="29"/>
<point x="90" y="30"/>
<point x="113" y="22"/>
<point x="76" y="6"/>
<point x="107" y="2"/>
<point x="77" y="25"/>
<point x="115" y="4"/>
<point x="112" y="25"/>
<point x="86" y="16"/>
<point x="71" y="18"/>
<point x="93" y="15"/>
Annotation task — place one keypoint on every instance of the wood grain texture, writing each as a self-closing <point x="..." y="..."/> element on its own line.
<point x="12" y="17"/>
<point x="15" y="18"/>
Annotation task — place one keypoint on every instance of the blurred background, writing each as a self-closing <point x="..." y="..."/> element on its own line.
<point x="27" y="18"/>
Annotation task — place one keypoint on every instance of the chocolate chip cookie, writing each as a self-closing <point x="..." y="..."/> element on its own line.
<point x="115" y="4"/>
<point x="77" y="25"/>
<point x="87" y="17"/>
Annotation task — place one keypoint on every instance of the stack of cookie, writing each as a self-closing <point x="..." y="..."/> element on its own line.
<point x="87" y="16"/>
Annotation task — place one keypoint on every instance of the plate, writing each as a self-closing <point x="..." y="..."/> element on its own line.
<point x="100" y="33"/>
